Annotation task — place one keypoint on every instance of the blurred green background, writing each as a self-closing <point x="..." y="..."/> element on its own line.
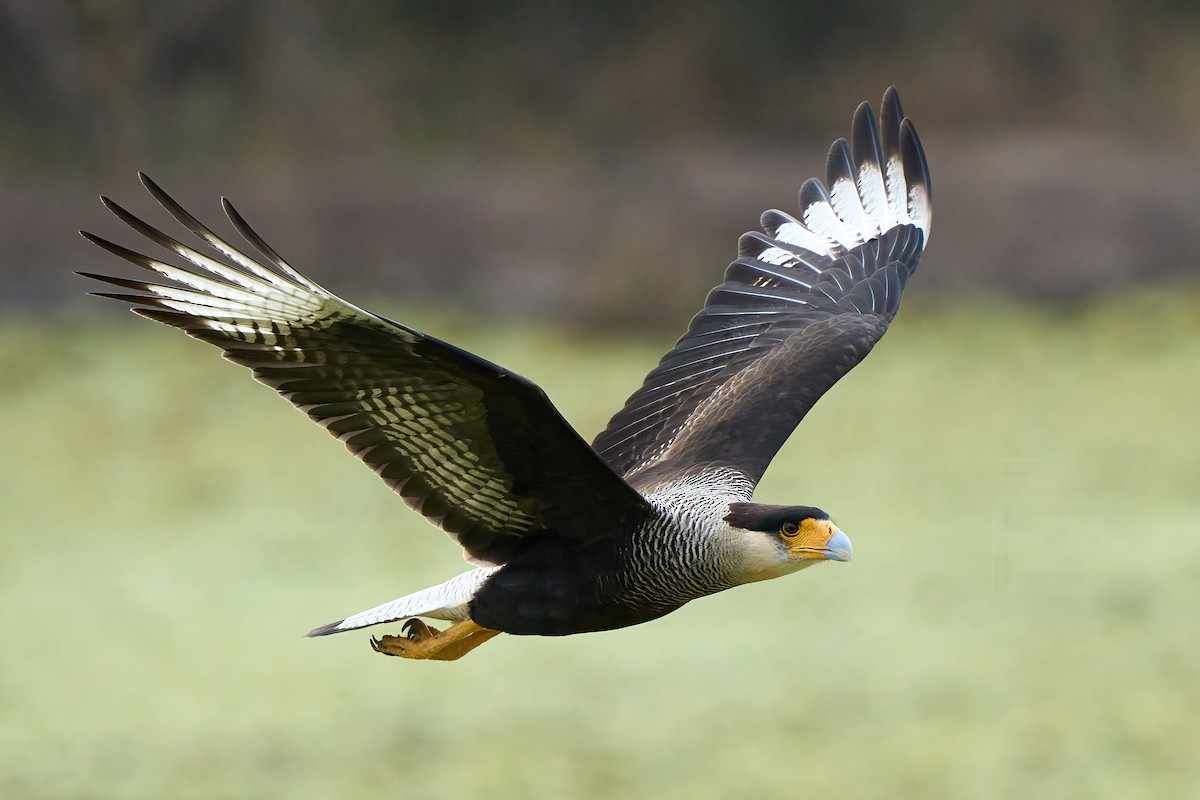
<point x="555" y="187"/>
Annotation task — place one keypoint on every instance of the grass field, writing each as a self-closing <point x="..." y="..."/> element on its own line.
<point x="1022" y="618"/>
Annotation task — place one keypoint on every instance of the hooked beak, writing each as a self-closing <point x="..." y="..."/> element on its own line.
<point x="838" y="548"/>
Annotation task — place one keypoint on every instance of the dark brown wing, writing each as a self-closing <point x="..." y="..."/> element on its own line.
<point x="480" y="451"/>
<point x="799" y="308"/>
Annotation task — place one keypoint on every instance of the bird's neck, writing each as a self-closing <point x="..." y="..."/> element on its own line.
<point x="688" y="550"/>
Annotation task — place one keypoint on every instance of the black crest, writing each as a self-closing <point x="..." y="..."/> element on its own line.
<point x="758" y="517"/>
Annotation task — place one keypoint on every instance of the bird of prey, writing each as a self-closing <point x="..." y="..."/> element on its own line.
<point x="565" y="537"/>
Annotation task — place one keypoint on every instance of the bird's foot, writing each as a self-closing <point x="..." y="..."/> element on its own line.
<point x="412" y="633"/>
<point x="423" y="642"/>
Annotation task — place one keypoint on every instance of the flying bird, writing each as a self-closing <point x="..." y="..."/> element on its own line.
<point x="565" y="537"/>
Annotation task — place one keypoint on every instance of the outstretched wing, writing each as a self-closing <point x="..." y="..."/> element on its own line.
<point x="479" y="451"/>
<point x="801" y="306"/>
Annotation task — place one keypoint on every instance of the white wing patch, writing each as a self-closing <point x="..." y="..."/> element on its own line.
<point x="848" y="205"/>
<point x="870" y="192"/>
<point x="873" y="193"/>
<point x="897" y="192"/>
<point x="792" y="231"/>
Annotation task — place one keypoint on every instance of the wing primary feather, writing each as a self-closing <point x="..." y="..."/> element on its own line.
<point x="260" y="244"/>
<point x="252" y="282"/>
<point x="220" y="245"/>
<point x="867" y="155"/>
<point x="818" y="214"/>
<point x="891" y="114"/>
<point x="124" y="283"/>
<point x="864" y="137"/>
<point x="844" y="193"/>
<point x="919" y="196"/>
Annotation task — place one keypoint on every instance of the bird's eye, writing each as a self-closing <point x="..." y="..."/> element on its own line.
<point x="789" y="529"/>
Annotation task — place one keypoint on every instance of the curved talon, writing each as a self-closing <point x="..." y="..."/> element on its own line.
<point x="415" y="630"/>
<point x="390" y="645"/>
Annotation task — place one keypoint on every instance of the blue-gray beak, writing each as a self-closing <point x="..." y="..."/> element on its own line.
<point x="838" y="548"/>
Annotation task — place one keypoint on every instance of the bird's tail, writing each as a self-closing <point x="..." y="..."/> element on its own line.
<point x="448" y="601"/>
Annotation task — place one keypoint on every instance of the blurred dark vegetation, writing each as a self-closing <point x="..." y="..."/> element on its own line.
<point x="595" y="162"/>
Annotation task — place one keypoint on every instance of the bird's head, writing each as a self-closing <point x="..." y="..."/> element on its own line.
<point x="783" y="539"/>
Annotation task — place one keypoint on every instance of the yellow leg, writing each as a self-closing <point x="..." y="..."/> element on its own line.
<point x="423" y="642"/>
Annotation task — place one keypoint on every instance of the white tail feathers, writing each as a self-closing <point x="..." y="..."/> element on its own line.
<point x="448" y="601"/>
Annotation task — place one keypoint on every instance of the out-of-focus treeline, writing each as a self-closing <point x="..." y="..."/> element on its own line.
<point x="596" y="161"/>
